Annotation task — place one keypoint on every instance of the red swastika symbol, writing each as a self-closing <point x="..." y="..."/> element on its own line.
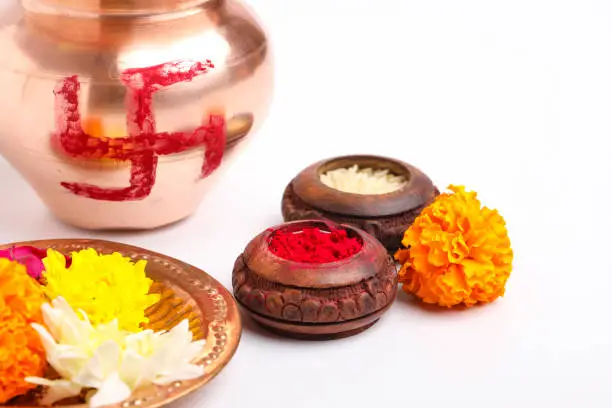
<point x="143" y="145"/>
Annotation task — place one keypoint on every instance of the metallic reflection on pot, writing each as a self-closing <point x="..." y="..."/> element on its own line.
<point x="238" y="127"/>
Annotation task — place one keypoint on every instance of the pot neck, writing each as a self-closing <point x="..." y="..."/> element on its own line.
<point x="111" y="24"/>
<point x="91" y="8"/>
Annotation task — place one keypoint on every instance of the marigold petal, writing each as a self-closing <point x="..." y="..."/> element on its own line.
<point x="21" y="352"/>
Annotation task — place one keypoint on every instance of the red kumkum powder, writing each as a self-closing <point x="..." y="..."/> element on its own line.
<point x="312" y="245"/>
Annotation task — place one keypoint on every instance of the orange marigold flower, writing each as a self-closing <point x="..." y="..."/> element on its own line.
<point x="457" y="252"/>
<point x="21" y="351"/>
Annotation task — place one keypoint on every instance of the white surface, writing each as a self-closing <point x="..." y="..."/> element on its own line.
<point x="510" y="98"/>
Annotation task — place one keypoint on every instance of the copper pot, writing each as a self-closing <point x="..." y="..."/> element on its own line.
<point x="116" y="112"/>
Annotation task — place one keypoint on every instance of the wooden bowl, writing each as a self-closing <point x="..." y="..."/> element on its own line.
<point x="315" y="301"/>
<point x="186" y="293"/>
<point x="385" y="216"/>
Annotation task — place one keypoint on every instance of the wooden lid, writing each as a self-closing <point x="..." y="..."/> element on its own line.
<point x="417" y="191"/>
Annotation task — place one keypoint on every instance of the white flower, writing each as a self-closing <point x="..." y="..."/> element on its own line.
<point x="113" y="362"/>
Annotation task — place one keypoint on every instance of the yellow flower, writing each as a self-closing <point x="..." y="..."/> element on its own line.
<point x="105" y="287"/>
<point x="457" y="252"/>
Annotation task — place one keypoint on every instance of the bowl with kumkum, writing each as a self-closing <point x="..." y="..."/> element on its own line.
<point x="315" y="279"/>
<point x="379" y="195"/>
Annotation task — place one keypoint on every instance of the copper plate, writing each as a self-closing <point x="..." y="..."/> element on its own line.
<point x="186" y="292"/>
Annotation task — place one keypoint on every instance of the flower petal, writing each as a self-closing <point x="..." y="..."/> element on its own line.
<point x="135" y="370"/>
<point x="112" y="391"/>
<point x="28" y="256"/>
<point x="57" y="390"/>
<point x="104" y="362"/>
<point x="180" y="372"/>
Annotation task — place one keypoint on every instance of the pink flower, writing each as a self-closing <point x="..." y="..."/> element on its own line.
<point x="28" y="256"/>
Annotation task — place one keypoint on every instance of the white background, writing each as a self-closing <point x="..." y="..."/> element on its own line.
<point x="512" y="99"/>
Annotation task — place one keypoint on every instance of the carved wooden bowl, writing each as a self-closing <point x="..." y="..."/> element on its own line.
<point x="315" y="301"/>
<point x="186" y="293"/>
<point x="385" y="216"/>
